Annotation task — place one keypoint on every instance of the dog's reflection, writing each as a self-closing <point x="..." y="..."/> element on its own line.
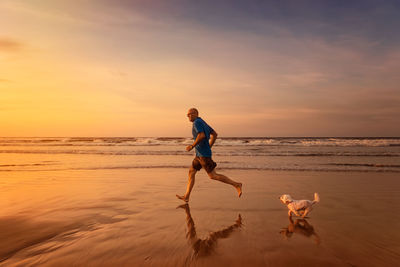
<point x="204" y="247"/>
<point x="300" y="226"/>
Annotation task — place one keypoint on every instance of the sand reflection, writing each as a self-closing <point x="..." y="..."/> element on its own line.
<point x="206" y="246"/>
<point x="302" y="227"/>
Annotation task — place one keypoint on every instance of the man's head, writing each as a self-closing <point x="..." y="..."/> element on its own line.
<point x="192" y="114"/>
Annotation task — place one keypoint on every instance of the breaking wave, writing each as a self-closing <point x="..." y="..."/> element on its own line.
<point x="172" y="141"/>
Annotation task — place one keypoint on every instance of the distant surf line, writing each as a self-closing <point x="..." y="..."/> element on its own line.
<point x="221" y="168"/>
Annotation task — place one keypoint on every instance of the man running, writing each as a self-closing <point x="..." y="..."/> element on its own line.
<point x="202" y="143"/>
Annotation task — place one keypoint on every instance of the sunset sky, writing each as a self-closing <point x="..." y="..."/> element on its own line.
<point x="252" y="68"/>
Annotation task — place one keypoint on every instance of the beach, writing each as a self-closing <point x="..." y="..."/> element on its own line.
<point x="106" y="107"/>
<point x="131" y="217"/>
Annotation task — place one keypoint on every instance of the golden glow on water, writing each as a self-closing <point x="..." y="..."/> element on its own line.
<point x="115" y="217"/>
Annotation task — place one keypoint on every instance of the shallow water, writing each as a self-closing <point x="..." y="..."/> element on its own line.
<point x="130" y="217"/>
<point x="311" y="154"/>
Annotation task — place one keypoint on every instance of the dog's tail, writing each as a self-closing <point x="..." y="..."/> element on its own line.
<point x="316" y="198"/>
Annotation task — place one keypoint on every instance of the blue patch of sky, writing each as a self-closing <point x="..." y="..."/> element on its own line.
<point x="331" y="20"/>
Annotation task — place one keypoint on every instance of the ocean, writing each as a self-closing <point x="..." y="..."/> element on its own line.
<point x="354" y="154"/>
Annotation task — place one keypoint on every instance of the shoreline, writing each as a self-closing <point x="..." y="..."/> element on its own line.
<point x="221" y="169"/>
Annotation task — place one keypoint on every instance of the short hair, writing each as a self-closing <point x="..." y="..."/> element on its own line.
<point x="194" y="110"/>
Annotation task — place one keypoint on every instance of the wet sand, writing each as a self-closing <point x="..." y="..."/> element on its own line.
<point x="132" y="218"/>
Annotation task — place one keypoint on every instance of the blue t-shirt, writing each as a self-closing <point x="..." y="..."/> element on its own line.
<point x="203" y="148"/>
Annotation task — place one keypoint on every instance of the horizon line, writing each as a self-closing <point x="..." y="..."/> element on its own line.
<point x="249" y="137"/>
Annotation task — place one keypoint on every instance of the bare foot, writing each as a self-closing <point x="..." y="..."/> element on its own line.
<point x="182" y="198"/>
<point x="239" y="221"/>
<point x="239" y="189"/>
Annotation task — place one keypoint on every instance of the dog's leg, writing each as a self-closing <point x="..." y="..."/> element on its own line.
<point x="290" y="213"/>
<point x="306" y="212"/>
<point x="294" y="212"/>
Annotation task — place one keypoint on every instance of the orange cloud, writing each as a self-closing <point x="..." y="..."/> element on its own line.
<point x="10" y="45"/>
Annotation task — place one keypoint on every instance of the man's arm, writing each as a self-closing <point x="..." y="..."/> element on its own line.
<point x="213" y="137"/>
<point x="199" y="138"/>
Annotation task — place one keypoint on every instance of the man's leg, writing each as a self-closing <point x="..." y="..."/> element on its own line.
<point x="191" y="229"/>
<point x="222" y="178"/>
<point x="192" y="174"/>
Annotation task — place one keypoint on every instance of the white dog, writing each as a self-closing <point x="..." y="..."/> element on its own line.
<point x="298" y="207"/>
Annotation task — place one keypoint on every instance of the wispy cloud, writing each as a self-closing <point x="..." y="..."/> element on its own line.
<point x="319" y="66"/>
<point x="10" y="45"/>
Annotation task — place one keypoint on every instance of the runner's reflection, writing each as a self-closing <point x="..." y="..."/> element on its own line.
<point x="204" y="247"/>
